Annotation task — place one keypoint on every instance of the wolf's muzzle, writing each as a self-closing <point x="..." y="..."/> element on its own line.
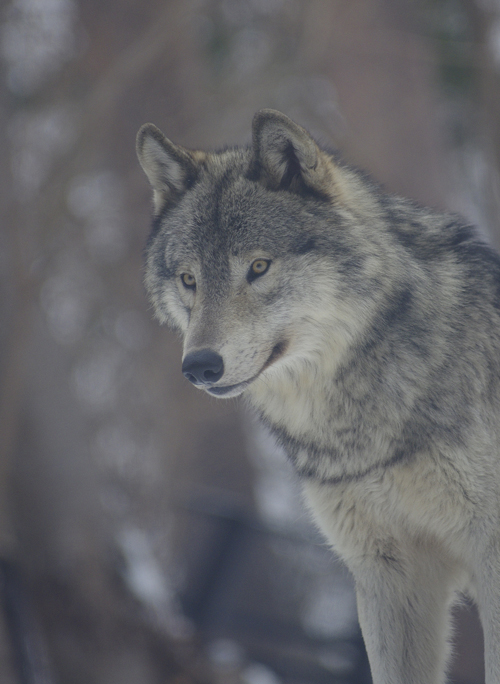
<point x="203" y="367"/>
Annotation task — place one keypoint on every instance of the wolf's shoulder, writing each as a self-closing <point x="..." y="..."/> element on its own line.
<point x="431" y="235"/>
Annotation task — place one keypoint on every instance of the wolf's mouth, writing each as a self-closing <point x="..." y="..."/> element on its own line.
<point x="278" y="350"/>
<point x="233" y="390"/>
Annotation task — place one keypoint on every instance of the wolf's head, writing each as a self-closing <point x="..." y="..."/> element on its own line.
<point x="252" y="256"/>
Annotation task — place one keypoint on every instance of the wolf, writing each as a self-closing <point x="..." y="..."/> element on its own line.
<point x="364" y="329"/>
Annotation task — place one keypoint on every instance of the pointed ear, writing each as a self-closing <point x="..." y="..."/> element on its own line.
<point x="286" y="157"/>
<point x="171" y="169"/>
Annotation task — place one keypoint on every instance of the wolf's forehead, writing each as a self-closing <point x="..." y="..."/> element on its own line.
<point x="221" y="169"/>
<point x="227" y="209"/>
<point x="230" y="213"/>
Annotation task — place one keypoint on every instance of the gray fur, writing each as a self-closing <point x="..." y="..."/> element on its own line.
<point x="371" y="348"/>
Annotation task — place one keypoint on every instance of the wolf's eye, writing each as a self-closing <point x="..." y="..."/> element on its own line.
<point x="189" y="281"/>
<point x="258" y="268"/>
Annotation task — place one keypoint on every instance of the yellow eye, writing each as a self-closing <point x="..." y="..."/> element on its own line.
<point x="259" y="267"/>
<point x="188" y="281"/>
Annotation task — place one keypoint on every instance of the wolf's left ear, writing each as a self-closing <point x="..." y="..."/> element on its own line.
<point x="170" y="168"/>
<point x="286" y="157"/>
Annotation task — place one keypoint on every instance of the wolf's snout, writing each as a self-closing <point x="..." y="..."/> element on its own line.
<point x="203" y="367"/>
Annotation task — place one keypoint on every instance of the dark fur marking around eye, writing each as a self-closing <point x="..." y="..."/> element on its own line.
<point x="253" y="275"/>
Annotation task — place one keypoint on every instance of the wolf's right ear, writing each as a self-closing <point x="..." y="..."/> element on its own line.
<point x="171" y="169"/>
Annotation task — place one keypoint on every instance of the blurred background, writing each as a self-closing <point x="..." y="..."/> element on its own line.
<point x="148" y="533"/>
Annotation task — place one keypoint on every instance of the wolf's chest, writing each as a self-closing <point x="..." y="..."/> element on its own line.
<point x="332" y="440"/>
<point x="400" y="503"/>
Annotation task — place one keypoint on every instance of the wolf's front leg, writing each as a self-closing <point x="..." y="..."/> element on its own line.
<point x="403" y="606"/>
<point x="487" y="588"/>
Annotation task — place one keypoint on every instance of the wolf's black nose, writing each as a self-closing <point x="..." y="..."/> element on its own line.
<point x="203" y="367"/>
